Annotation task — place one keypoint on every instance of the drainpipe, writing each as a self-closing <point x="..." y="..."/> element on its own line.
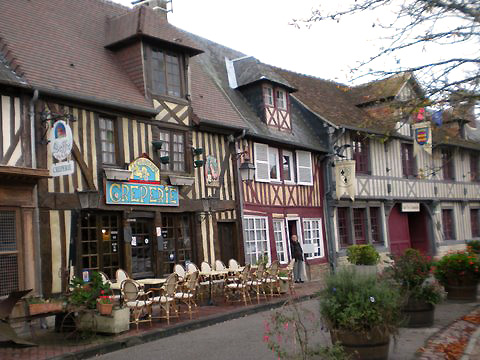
<point x="239" y="188"/>
<point x="329" y="197"/>
<point x="36" y="212"/>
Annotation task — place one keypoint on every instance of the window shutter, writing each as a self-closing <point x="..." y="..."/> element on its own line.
<point x="261" y="163"/>
<point x="304" y="168"/>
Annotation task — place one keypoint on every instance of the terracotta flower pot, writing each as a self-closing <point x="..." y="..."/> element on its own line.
<point x="373" y="345"/>
<point x="104" y="309"/>
<point x="45" y="308"/>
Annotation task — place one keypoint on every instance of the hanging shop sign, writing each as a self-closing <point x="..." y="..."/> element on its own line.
<point x="423" y="138"/>
<point x="61" y="145"/>
<point x="143" y="187"/>
<point x="345" y="178"/>
<point x="211" y="171"/>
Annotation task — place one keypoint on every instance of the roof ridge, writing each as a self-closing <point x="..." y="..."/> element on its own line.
<point x="403" y="73"/>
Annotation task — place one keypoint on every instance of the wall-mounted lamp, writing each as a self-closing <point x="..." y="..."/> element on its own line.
<point x="157" y="144"/>
<point x="88" y="199"/>
<point x="247" y="171"/>
<point x="198" y="163"/>
<point x="164" y="159"/>
<point x="197" y="151"/>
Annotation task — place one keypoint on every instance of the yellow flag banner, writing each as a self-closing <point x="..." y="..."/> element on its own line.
<point x="422" y="137"/>
<point x="345" y="178"/>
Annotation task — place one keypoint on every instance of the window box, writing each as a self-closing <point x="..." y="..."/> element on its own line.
<point x="181" y="180"/>
<point x="117" y="174"/>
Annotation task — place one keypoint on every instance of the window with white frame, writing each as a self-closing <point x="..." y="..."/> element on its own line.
<point x="268" y="95"/>
<point x="281" y="97"/>
<point x="280" y="244"/>
<point x="313" y="238"/>
<point x="304" y="168"/>
<point x="273" y="164"/>
<point x="262" y="168"/>
<point x="287" y="166"/>
<point x="256" y="238"/>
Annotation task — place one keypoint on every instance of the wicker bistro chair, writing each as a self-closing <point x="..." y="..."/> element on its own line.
<point x="289" y="277"/>
<point x="137" y="301"/>
<point x="233" y="265"/>
<point x="219" y="265"/>
<point x="188" y="292"/>
<point x="272" y="280"/>
<point x="166" y="298"/>
<point x="217" y="282"/>
<point x="258" y="282"/>
<point x="180" y="271"/>
<point x="238" y="286"/>
<point x="121" y="275"/>
<point x="191" y="268"/>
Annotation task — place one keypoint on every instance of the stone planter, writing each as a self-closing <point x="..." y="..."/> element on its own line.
<point x="362" y="346"/>
<point x="117" y="322"/>
<point x="418" y="313"/>
<point x="284" y="287"/>
<point x="365" y="269"/>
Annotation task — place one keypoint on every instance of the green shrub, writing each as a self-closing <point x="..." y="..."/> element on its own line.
<point x="474" y="246"/>
<point x="360" y="303"/>
<point x="86" y="294"/>
<point x="362" y="255"/>
<point x="457" y="266"/>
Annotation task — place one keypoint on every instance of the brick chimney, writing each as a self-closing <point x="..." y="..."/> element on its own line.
<point x="159" y="6"/>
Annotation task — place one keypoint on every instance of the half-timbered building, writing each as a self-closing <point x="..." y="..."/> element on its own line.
<point x="428" y="202"/>
<point x="114" y="127"/>
<point x="286" y="195"/>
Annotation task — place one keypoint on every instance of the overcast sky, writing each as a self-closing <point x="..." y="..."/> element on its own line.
<point x="261" y="28"/>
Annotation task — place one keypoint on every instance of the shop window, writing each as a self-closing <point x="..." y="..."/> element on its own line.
<point x="256" y="239"/>
<point x="361" y="154"/>
<point x="173" y="146"/>
<point x="447" y="222"/>
<point x="107" y="140"/>
<point x="99" y="245"/>
<point x="408" y="161"/>
<point x="447" y="165"/>
<point x="280" y="243"/>
<point x="312" y="235"/>
<point x="359" y="226"/>
<point x="9" y="254"/>
<point x="343" y="220"/>
<point x="166" y="73"/>
<point x="474" y="222"/>
<point x="375" y="226"/>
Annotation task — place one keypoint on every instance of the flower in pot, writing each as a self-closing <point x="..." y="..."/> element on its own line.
<point x="411" y="271"/>
<point x="459" y="272"/>
<point x="85" y="294"/>
<point x="364" y="257"/>
<point x="361" y="312"/>
<point x="104" y="303"/>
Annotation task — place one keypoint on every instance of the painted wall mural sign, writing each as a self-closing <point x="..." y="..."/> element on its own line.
<point x="143" y="187"/>
<point x="61" y="142"/>
<point x="422" y="138"/>
<point x="212" y="172"/>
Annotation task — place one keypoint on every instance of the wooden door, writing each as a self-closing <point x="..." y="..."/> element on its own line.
<point x="142" y="248"/>
<point x="227" y="240"/>
<point x="418" y="225"/>
<point x="398" y="230"/>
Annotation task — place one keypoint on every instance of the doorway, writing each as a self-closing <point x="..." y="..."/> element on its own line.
<point x="177" y="242"/>
<point x="228" y="241"/>
<point x="142" y="248"/>
<point x="294" y="228"/>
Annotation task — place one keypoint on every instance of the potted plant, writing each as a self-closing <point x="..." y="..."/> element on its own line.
<point x="411" y="272"/>
<point x="361" y="312"/>
<point x="364" y="257"/>
<point x="85" y="294"/>
<point x="459" y="272"/>
<point x="38" y="305"/>
<point x="104" y="303"/>
<point x="473" y="246"/>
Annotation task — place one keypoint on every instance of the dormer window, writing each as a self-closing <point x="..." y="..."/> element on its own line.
<point x="281" y="97"/>
<point x="268" y="96"/>
<point x="166" y="73"/>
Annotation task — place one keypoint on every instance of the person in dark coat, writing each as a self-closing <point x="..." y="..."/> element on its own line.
<point x="297" y="254"/>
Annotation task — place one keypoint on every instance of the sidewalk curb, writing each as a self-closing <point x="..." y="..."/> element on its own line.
<point x="153" y="335"/>
<point x="471" y="344"/>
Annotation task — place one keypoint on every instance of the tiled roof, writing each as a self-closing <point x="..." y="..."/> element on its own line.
<point x="60" y="46"/>
<point x="212" y="62"/>
<point x="144" y="22"/>
<point x="377" y="90"/>
<point x="7" y="75"/>
<point x="249" y="70"/>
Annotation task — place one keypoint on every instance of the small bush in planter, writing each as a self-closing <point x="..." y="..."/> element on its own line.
<point x="457" y="267"/>
<point x="86" y="294"/>
<point x="411" y="271"/>
<point x="362" y="255"/>
<point x="473" y="246"/>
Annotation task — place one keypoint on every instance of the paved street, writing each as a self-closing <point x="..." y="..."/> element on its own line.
<point x="243" y="339"/>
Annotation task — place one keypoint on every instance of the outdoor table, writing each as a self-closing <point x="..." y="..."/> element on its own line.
<point x="211" y="274"/>
<point x="151" y="281"/>
<point x="116" y="286"/>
